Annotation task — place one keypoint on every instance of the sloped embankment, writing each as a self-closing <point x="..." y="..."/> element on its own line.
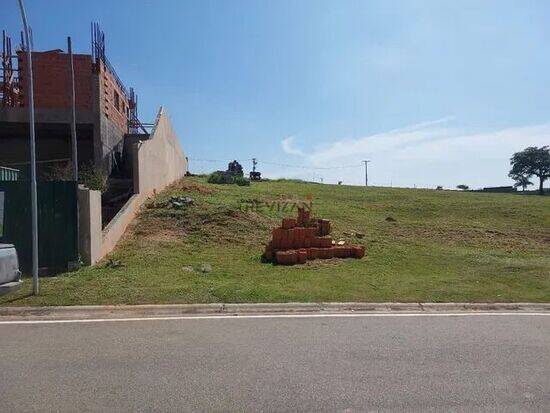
<point x="421" y="246"/>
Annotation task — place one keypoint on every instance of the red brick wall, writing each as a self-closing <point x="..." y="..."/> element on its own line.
<point x="52" y="80"/>
<point x="109" y="87"/>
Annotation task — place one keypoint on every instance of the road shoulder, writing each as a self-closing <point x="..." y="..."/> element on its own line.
<point x="263" y="309"/>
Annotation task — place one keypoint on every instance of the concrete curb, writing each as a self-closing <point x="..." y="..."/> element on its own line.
<point x="167" y="310"/>
<point x="10" y="287"/>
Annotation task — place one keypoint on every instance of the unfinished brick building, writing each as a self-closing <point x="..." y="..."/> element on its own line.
<point x="138" y="159"/>
<point x="106" y="114"/>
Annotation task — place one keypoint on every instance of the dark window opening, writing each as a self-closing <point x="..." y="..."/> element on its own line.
<point x="117" y="101"/>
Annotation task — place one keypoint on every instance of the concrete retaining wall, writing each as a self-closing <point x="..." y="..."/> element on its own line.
<point x="158" y="162"/>
<point x="116" y="228"/>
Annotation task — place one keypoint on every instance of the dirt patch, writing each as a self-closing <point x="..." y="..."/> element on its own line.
<point x="203" y="223"/>
<point x="186" y="185"/>
<point x="224" y="225"/>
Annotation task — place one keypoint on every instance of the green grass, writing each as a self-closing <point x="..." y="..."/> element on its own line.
<point x="442" y="246"/>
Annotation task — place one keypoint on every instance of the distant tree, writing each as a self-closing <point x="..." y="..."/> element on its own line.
<point x="532" y="161"/>
<point x="521" y="181"/>
<point x="463" y="187"/>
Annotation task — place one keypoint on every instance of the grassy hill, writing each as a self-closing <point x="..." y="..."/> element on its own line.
<point x="422" y="245"/>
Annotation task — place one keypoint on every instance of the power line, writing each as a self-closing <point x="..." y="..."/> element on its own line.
<point x="259" y="161"/>
<point x="310" y="167"/>
<point x="218" y="160"/>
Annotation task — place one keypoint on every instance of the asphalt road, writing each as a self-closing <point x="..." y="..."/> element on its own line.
<point x="457" y="363"/>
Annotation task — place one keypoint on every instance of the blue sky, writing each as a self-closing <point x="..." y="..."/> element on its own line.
<point x="433" y="92"/>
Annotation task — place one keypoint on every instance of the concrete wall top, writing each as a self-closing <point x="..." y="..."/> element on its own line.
<point x="160" y="159"/>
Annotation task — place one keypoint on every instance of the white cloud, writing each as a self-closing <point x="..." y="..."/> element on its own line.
<point x="427" y="154"/>
<point x="380" y="143"/>
<point x="288" y="146"/>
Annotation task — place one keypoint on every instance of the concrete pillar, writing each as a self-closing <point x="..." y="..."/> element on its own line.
<point x="89" y="219"/>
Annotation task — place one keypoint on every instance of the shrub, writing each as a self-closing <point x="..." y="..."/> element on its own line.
<point x="219" y="178"/>
<point x="61" y="171"/>
<point x="92" y="178"/>
<point x="88" y="175"/>
<point x="241" y="181"/>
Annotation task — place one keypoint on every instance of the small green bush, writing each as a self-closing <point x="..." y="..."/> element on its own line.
<point x="241" y="181"/>
<point x="219" y="178"/>
<point x="88" y="175"/>
<point x="92" y="178"/>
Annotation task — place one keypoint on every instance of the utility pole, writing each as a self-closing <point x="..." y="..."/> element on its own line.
<point x="34" y="204"/>
<point x="73" y="130"/>
<point x="366" y="172"/>
<point x="73" y="112"/>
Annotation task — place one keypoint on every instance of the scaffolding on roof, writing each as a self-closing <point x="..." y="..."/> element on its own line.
<point x="98" y="57"/>
<point x="9" y="80"/>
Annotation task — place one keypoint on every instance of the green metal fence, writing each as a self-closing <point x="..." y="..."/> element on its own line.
<point x="57" y="223"/>
<point x="8" y="174"/>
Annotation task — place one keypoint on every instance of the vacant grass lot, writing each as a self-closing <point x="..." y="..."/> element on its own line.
<point x="436" y="246"/>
